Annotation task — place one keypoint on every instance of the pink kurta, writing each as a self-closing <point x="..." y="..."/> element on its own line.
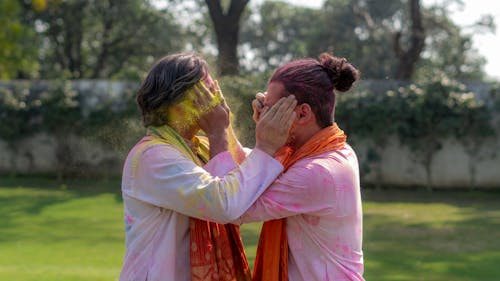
<point x="320" y="198"/>
<point x="166" y="189"/>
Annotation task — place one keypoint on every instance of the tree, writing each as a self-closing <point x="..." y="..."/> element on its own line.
<point x="351" y="29"/>
<point x="227" y="26"/>
<point x="102" y="39"/>
<point x="400" y="39"/>
<point x="279" y="33"/>
<point x="409" y="57"/>
<point x="449" y="46"/>
<point x="17" y="51"/>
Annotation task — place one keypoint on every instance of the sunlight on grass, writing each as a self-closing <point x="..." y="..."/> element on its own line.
<point x="58" y="233"/>
<point x="250" y="234"/>
<point x="431" y="235"/>
<point x="73" y="231"/>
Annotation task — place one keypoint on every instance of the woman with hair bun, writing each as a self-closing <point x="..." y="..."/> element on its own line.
<point x="312" y="212"/>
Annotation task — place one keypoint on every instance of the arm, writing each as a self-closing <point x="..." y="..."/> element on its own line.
<point x="239" y="153"/>
<point x="220" y="165"/>
<point x="304" y="188"/>
<point x="168" y="179"/>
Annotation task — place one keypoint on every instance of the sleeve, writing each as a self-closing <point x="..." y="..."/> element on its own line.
<point x="166" y="178"/>
<point x="304" y="188"/>
<point x="221" y="164"/>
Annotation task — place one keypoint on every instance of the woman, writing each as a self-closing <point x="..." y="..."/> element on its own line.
<point x="173" y="182"/>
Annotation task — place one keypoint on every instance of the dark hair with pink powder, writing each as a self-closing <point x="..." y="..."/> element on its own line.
<point x="314" y="82"/>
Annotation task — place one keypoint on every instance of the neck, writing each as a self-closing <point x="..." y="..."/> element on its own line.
<point x="186" y="132"/>
<point x="305" y="134"/>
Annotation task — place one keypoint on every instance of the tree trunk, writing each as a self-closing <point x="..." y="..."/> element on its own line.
<point x="71" y="46"/>
<point x="408" y="58"/>
<point x="227" y="27"/>
<point x="108" y="22"/>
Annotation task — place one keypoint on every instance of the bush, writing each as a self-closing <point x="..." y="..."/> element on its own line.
<point x="59" y="110"/>
<point x="422" y="116"/>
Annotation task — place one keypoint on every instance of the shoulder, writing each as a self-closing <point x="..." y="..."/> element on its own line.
<point x="340" y="155"/>
<point x="329" y="163"/>
<point x="150" y="149"/>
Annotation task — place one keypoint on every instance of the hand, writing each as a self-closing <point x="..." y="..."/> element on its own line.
<point x="274" y="125"/>
<point x="213" y="120"/>
<point x="258" y="105"/>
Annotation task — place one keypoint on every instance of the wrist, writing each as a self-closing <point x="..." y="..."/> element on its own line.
<point x="218" y="143"/>
<point x="217" y="135"/>
<point x="270" y="150"/>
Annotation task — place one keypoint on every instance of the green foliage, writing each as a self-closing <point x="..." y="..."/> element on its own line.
<point x="367" y="115"/>
<point x="17" y="51"/>
<point x="118" y="40"/>
<point x="279" y="33"/>
<point x="449" y="46"/>
<point x="442" y="108"/>
<point x="421" y="115"/>
<point x="417" y="113"/>
<point x="362" y="31"/>
<point x="16" y="110"/>
<point x="61" y="111"/>
<point x="102" y="39"/>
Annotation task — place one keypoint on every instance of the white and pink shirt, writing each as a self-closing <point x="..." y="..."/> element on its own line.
<point x="163" y="188"/>
<point x="320" y="199"/>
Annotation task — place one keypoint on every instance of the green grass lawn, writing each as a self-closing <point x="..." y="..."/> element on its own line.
<point x="73" y="230"/>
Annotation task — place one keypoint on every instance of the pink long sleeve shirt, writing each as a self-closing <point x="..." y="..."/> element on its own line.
<point x="320" y="198"/>
<point x="165" y="188"/>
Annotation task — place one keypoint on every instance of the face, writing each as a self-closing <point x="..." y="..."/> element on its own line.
<point x="274" y="93"/>
<point x="185" y="115"/>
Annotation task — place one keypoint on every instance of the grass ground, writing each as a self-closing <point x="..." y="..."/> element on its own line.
<point x="52" y="230"/>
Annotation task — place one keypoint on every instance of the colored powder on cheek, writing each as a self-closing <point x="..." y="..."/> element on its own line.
<point x="185" y="114"/>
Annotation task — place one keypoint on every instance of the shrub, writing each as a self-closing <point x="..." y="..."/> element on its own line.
<point x="422" y="116"/>
<point x="59" y="110"/>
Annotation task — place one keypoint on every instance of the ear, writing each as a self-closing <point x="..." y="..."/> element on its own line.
<point x="304" y="114"/>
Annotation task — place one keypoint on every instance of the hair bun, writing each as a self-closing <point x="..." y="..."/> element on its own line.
<point x="341" y="73"/>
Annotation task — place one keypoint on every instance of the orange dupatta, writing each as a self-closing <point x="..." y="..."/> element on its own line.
<point x="216" y="250"/>
<point x="271" y="261"/>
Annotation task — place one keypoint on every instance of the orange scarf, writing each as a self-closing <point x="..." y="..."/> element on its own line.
<point x="216" y="251"/>
<point x="271" y="262"/>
